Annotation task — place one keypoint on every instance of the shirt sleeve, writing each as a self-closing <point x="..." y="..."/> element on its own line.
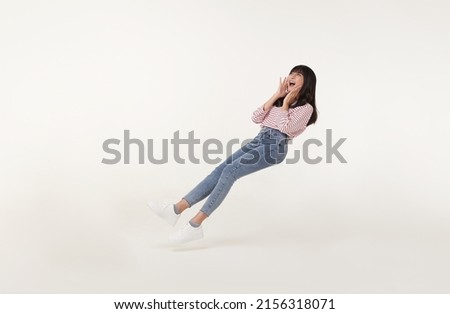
<point x="259" y="114"/>
<point x="295" y="121"/>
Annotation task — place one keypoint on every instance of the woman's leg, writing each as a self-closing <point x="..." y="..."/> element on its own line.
<point x="261" y="157"/>
<point x="204" y="188"/>
<point x="181" y="206"/>
<point x="199" y="217"/>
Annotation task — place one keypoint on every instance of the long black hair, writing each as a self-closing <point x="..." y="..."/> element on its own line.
<point x="307" y="93"/>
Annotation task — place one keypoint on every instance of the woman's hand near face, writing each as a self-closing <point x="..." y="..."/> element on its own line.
<point x="282" y="88"/>
<point x="281" y="92"/>
<point x="292" y="96"/>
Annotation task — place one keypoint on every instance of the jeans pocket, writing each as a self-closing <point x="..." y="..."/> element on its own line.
<point x="275" y="151"/>
<point x="254" y="143"/>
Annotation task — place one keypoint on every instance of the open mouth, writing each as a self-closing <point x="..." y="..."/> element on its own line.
<point x="291" y="83"/>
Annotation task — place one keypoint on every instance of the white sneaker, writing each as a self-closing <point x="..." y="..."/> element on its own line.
<point x="165" y="211"/>
<point x="186" y="234"/>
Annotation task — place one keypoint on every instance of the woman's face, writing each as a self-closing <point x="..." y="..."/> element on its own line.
<point x="295" y="80"/>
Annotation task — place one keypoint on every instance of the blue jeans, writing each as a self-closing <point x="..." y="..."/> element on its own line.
<point x="268" y="148"/>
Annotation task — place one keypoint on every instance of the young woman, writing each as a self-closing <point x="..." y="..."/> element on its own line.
<point x="284" y="116"/>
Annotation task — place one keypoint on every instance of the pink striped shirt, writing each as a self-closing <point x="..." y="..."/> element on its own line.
<point x="292" y="122"/>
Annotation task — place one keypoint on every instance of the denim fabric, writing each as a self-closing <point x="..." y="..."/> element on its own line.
<point x="268" y="148"/>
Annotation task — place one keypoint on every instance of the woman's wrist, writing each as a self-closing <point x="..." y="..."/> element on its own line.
<point x="285" y="105"/>
<point x="268" y="104"/>
<point x="276" y="96"/>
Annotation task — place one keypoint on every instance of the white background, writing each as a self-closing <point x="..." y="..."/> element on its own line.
<point x="75" y="73"/>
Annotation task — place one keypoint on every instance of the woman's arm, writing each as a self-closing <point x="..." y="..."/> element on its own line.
<point x="268" y="104"/>
<point x="295" y="121"/>
<point x="259" y="114"/>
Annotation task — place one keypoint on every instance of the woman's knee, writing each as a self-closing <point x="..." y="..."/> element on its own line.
<point x="229" y="172"/>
